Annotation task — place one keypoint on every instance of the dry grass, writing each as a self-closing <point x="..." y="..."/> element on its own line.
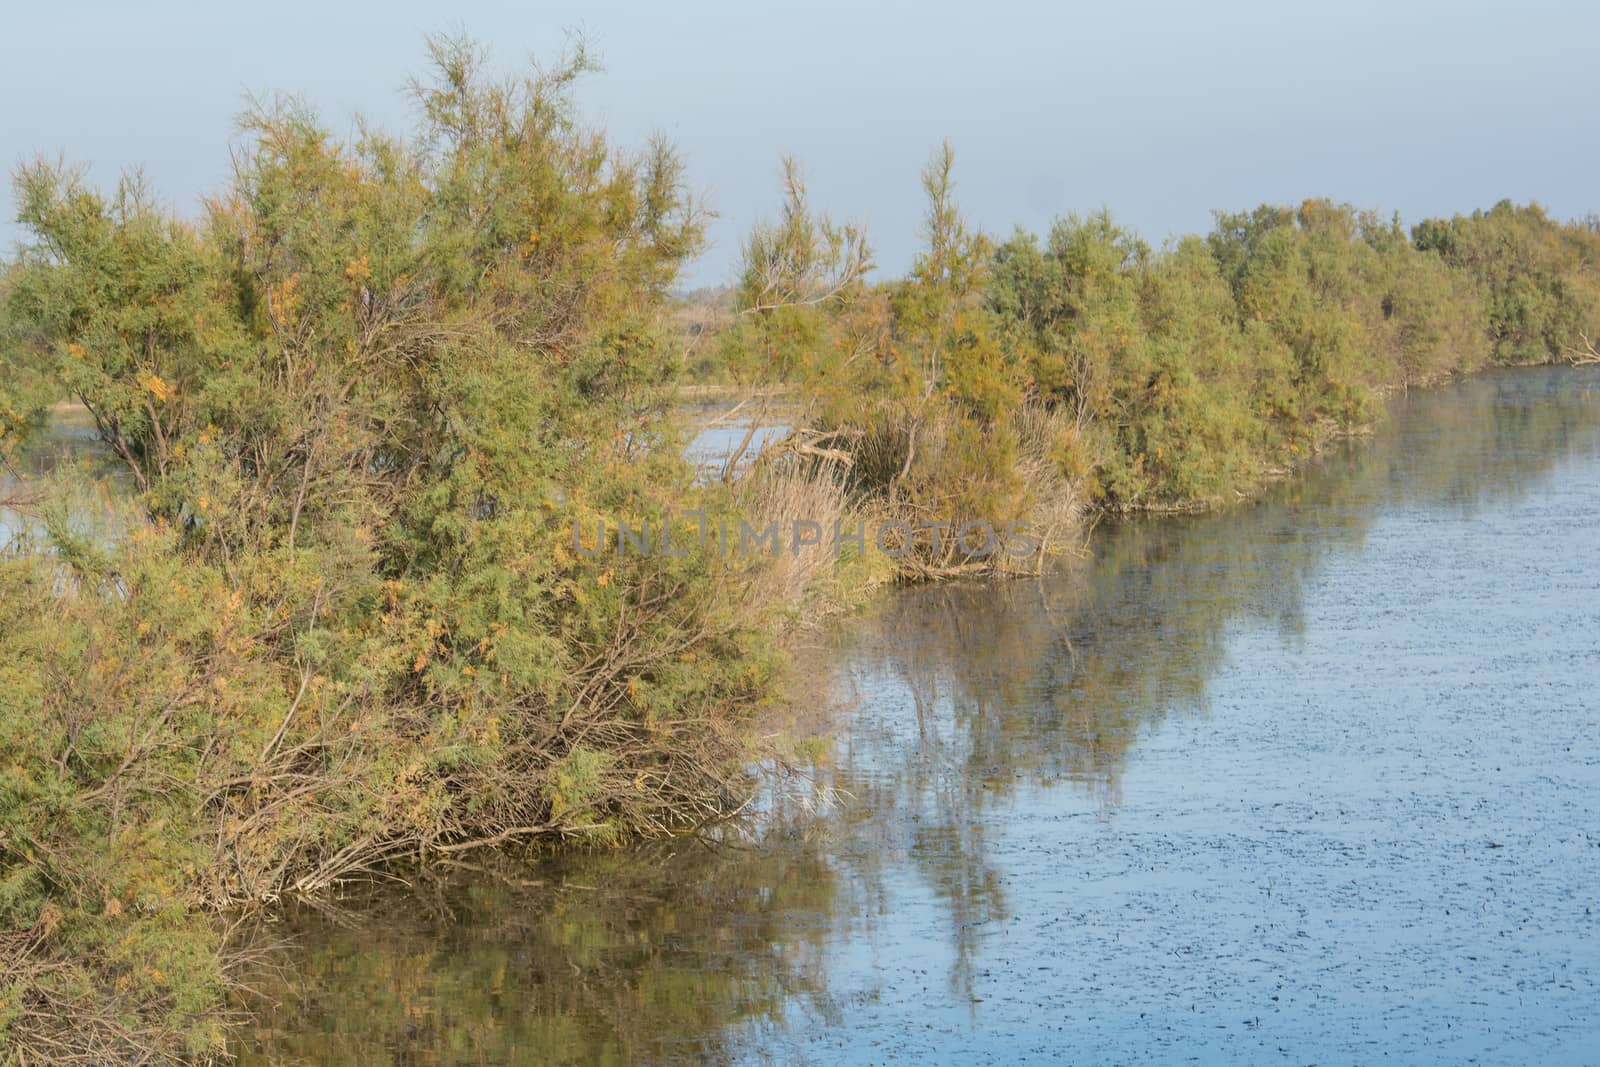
<point x="803" y="582"/>
<point x="1056" y="500"/>
<point x="926" y="471"/>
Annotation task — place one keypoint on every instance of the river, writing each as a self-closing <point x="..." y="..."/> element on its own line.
<point x="1315" y="779"/>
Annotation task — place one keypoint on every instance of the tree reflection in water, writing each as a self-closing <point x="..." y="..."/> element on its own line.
<point x="957" y="704"/>
<point x="965" y="695"/>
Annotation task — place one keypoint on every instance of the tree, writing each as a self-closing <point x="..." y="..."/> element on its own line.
<point x="367" y="400"/>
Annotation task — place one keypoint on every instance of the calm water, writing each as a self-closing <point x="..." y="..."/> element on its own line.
<point x="717" y="430"/>
<point x="70" y="450"/>
<point x="1315" y="781"/>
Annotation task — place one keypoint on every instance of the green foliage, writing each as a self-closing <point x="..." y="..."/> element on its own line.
<point x="1178" y="378"/>
<point x="1196" y="372"/>
<point x="1542" y="287"/>
<point x="365" y="402"/>
<point x="798" y="275"/>
<point x="909" y="378"/>
<point x="25" y="388"/>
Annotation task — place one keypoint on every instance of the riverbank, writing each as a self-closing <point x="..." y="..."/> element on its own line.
<point x="1262" y="783"/>
<point x="348" y="630"/>
<point x="1085" y="371"/>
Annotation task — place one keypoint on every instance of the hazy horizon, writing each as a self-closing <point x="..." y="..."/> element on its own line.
<point x="1160" y="111"/>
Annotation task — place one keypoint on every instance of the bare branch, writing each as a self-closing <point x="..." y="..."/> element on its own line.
<point x="1584" y="356"/>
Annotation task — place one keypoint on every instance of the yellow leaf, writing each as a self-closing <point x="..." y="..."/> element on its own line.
<point x="157" y="388"/>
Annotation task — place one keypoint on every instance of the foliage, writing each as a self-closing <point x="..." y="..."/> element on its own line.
<point x="25" y="387"/>
<point x="369" y="396"/>
<point x="920" y="403"/>
<point x="1170" y="379"/>
<point x="1195" y="372"/>
<point x="366" y="401"/>
<point x="1541" y="280"/>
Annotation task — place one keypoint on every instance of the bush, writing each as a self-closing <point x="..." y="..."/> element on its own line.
<point x="1539" y="276"/>
<point x="1198" y="371"/>
<point x="366" y="402"/>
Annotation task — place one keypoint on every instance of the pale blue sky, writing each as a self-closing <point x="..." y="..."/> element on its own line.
<point x="1158" y="109"/>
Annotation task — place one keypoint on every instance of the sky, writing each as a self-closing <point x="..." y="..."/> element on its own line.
<point x="1160" y="110"/>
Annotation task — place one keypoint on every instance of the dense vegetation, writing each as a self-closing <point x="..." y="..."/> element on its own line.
<point x="912" y="396"/>
<point x="366" y="398"/>
<point x="1171" y="379"/>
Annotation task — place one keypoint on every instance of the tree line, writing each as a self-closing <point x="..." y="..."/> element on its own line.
<point x="366" y="397"/>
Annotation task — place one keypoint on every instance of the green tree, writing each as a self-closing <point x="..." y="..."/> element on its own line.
<point x="366" y="400"/>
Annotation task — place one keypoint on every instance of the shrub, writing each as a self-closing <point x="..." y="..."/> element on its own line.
<point x="366" y="400"/>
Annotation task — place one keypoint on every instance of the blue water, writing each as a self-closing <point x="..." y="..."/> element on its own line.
<point x="1315" y="780"/>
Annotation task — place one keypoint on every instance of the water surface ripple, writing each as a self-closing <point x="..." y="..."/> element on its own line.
<point x="1315" y="780"/>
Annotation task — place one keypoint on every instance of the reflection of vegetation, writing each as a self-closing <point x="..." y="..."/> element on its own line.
<point x="664" y="953"/>
<point x="366" y="398"/>
<point x="1485" y="442"/>
<point x="1055" y="678"/>
<point x="968" y="694"/>
<point x="365" y="401"/>
<point x="1031" y="683"/>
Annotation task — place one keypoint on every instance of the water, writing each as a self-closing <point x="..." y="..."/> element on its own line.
<point x="715" y="428"/>
<point x="1315" y="780"/>
<point x="719" y="429"/>
<point x="69" y="449"/>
